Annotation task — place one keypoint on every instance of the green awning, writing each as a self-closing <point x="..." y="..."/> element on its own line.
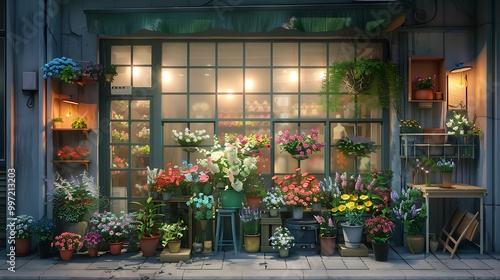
<point x="195" y="20"/>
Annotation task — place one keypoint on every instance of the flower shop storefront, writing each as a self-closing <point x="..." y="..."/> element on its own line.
<point x="240" y="87"/>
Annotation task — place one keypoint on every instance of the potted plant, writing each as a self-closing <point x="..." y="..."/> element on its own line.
<point x="355" y="146"/>
<point x="409" y="207"/>
<point x="22" y="233"/>
<point x="254" y="189"/>
<point x="43" y="228"/>
<point x="169" y="181"/>
<point x="296" y="190"/>
<point x="190" y="139"/>
<point x="148" y="225"/>
<point x="380" y="229"/>
<point x="79" y="123"/>
<point x="202" y="205"/>
<point x="64" y="68"/>
<point x="90" y="71"/>
<point x="362" y="78"/>
<point x="251" y="229"/>
<point x="251" y="144"/>
<point x="274" y="200"/>
<point x="57" y="122"/>
<point x="299" y="145"/>
<point x="197" y="181"/>
<point x="66" y="243"/>
<point x="327" y="233"/>
<point x="433" y="242"/>
<point x="352" y="202"/>
<point x="424" y="87"/>
<point x="77" y="153"/>
<point x="113" y="228"/>
<point x="446" y="169"/>
<point x="91" y="240"/>
<point x="282" y="240"/>
<point x="109" y="72"/>
<point x="172" y="234"/>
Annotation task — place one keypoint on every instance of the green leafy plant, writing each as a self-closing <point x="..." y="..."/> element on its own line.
<point x="43" y="228"/>
<point x="282" y="238"/>
<point x="358" y="146"/>
<point x="326" y="224"/>
<point x="174" y="231"/>
<point x="147" y="217"/>
<point x="23" y="226"/>
<point x="409" y="207"/>
<point x="251" y="221"/>
<point x="364" y="77"/>
<point x="78" y="123"/>
<point x="109" y="71"/>
<point x="202" y="205"/>
<point x="57" y="120"/>
<point x="68" y="74"/>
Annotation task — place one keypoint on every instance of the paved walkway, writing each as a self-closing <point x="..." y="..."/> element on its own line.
<point x="225" y="265"/>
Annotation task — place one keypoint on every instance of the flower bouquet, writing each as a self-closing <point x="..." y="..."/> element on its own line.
<point x="67" y="241"/>
<point x="92" y="239"/>
<point x="274" y="198"/>
<point x="282" y="238"/>
<point x="23" y="226"/>
<point x="90" y="70"/>
<point x="409" y="126"/>
<point x="226" y="163"/>
<point x="251" y="143"/>
<point x="444" y="165"/>
<point x="202" y="205"/>
<point x="141" y="150"/>
<point x="356" y="146"/>
<point x="74" y="198"/>
<point x="43" y="228"/>
<point x="380" y="228"/>
<point x="57" y="67"/>
<point x="188" y="138"/>
<point x="351" y="201"/>
<point x="296" y="188"/>
<point x="299" y="144"/>
<point x="77" y="153"/>
<point x="114" y="229"/>
<point x="410" y="209"/>
<point x="251" y="221"/>
<point x="169" y="180"/>
<point x="424" y="83"/>
<point x="197" y="180"/>
<point x="326" y="225"/>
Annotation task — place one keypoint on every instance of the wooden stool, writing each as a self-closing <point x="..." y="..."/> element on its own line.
<point x="219" y="232"/>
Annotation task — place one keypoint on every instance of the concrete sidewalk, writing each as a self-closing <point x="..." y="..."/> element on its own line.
<point x="225" y="265"/>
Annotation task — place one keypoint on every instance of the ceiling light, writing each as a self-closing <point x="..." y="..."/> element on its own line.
<point x="460" y="67"/>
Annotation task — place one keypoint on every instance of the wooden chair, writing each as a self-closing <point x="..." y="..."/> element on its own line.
<point x="459" y="226"/>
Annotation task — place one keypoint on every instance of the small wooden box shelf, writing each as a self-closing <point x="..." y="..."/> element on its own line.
<point x="267" y="227"/>
<point x="426" y="67"/>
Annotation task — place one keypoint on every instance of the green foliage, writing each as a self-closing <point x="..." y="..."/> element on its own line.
<point x="68" y="74"/>
<point x="364" y="78"/>
<point x="147" y="217"/>
<point x="79" y="123"/>
<point x="173" y="231"/>
<point x="57" y="120"/>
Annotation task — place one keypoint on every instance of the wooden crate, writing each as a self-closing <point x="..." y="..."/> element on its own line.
<point x="267" y="227"/>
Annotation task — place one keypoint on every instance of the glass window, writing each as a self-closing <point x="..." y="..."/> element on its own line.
<point x="285" y="54"/>
<point x="174" y="80"/>
<point x="202" y="54"/>
<point x="257" y="54"/>
<point x="311" y="79"/>
<point x="230" y="80"/>
<point x="257" y="80"/>
<point x="142" y="55"/>
<point x="121" y="55"/>
<point x="342" y="51"/>
<point x="202" y="106"/>
<point x="313" y="54"/>
<point x="174" y="54"/>
<point x="202" y="80"/>
<point x="177" y="111"/>
<point x="285" y="79"/>
<point x="230" y="54"/>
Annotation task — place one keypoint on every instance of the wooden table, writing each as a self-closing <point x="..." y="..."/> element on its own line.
<point x="456" y="191"/>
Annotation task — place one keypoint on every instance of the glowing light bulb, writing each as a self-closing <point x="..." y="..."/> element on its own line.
<point x="69" y="112"/>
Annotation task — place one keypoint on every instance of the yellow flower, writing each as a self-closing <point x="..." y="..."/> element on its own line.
<point x="354" y="197"/>
<point x="363" y="197"/>
<point x="335" y="209"/>
<point x="342" y="208"/>
<point x="360" y="207"/>
<point x="367" y="209"/>
<point x="350" y="205"/>
<point x="345" y="197"/>
<point x="368" y="203"/>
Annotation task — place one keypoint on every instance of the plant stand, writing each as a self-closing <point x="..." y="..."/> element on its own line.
<point x="362" y="251"/>
<point x="183" y="255"/>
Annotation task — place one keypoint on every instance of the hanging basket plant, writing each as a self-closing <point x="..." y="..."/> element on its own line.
<point x="362" y="79"/>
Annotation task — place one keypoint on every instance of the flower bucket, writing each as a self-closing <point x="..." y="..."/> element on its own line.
<point x="167" y="195"/>
<point x="316" y="206"/>
<point x="446" y="178"/>
<point x="252" y="243"/>
<point x="44" y="249"/>
<point x="274" y="212"/>
<point x="352" y="236"/>
<point x="380" y="251"/>
<point x="231" y="199"/>
<point x="328" y="244"/>
<point x="298" y="212"/>
<point x="284" y="252"/>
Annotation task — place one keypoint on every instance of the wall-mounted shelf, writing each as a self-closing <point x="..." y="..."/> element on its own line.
<point x="84" y="162"/>
<point x="436" y="145"/>
<point x="85" y="131"/>
<point x="427" y="67"/>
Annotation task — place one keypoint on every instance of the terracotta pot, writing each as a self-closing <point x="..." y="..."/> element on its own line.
<point x="93" y="252"/>
<point x="424" y="94"/>
<point x="115" y="248"/>
<point x="252" y="243"/>
<point x="328" y="244"/>
<point x="149" y="245"/>
<point x="174" y="246"/>
<point x="23" y="246"/>
<point x="254" y="202"/>
<point x="415" y="243"/>
<point x="66" y="254"/>
<point x="380" y="251"/>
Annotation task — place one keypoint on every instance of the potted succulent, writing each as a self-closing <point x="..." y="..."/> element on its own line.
<point x="362" y="78"/>
<point x="172" y="234"/>
<point x="148" y="225"/>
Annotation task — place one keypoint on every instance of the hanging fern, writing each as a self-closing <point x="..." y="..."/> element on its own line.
<point x="361" y="78"/>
